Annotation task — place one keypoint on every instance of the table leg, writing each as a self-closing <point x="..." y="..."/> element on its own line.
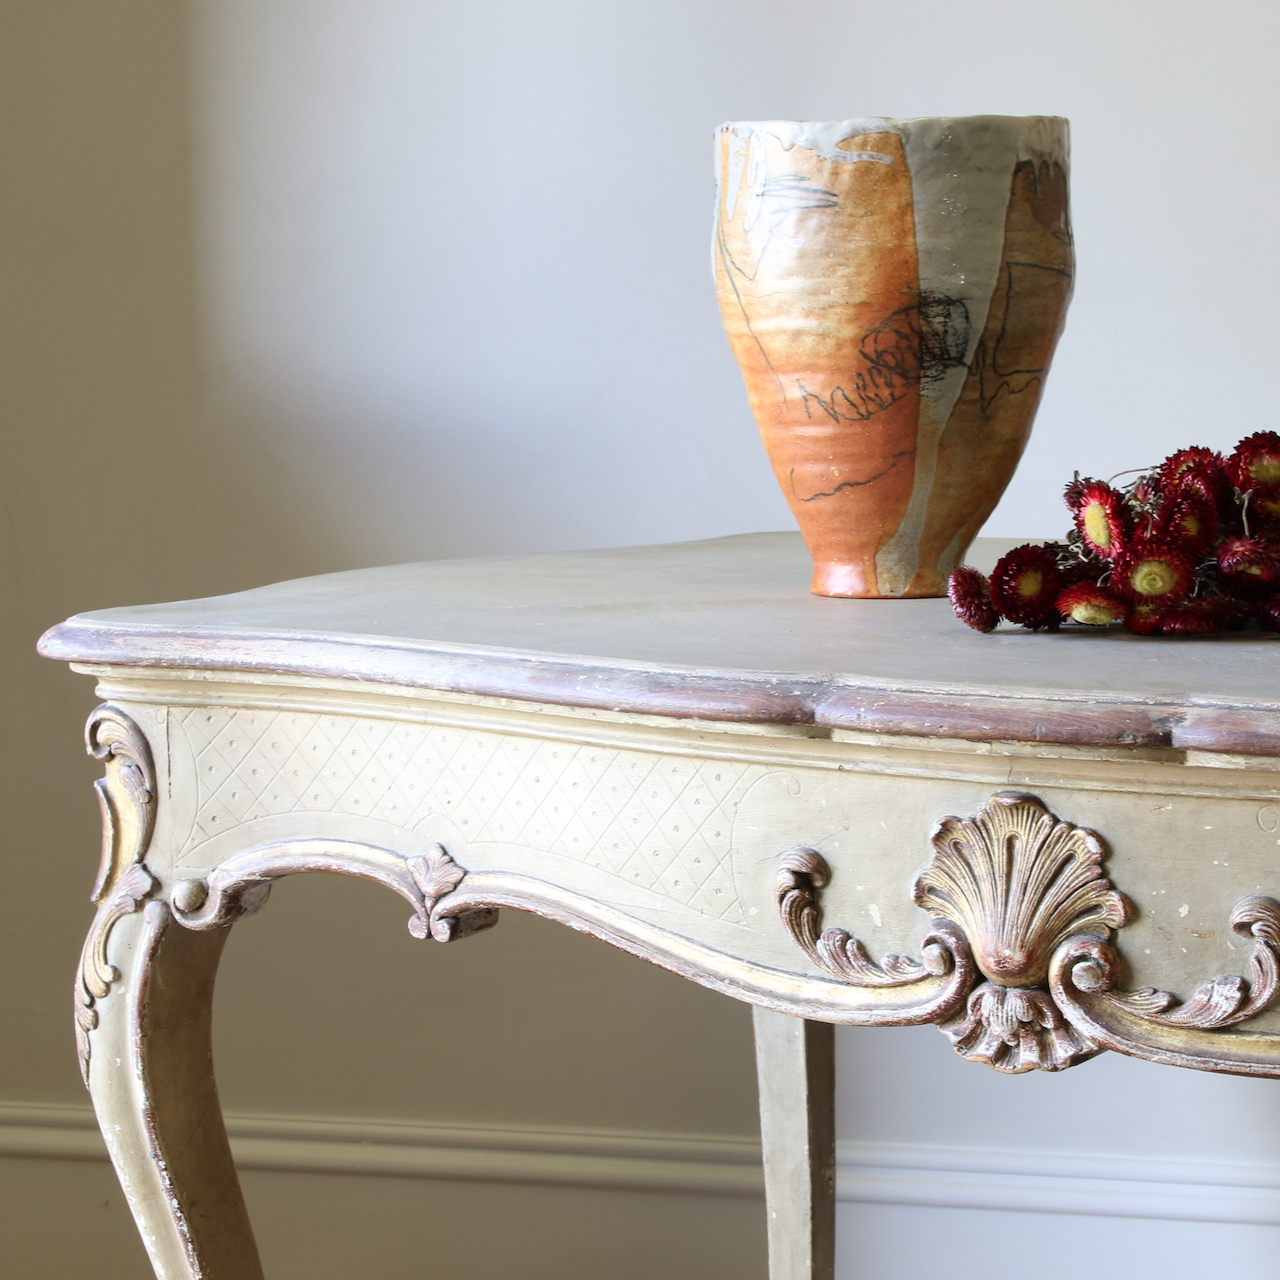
<point x="795" y="1062"/>
<point x="150" y="1072"/>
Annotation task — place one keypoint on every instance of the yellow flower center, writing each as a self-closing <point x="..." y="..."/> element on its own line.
<point x="1266" y="470"/>
<point x="1153" y="577"/>
<point x="1093" y="613"/>
<point x="1097" y="526"/>
<point x="1191" y="524"/>
<point x="1030" y="583"/>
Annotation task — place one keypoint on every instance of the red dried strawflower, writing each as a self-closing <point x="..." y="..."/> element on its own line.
<point x="1264" y="511"/>
<point x="1249" y="564"/>
<point x="1269" y="614"/>
<point x="1201" y="617"/>
<point x="1236" y="614"/>
<point x="970" y="596"/>
<point x="1143" y="618"/>
<point x="1025" y="585"/>
<point x="1074" y="491"/>
<point x="1199" y="471"/>
<point x="1213" y="487"/>
<point x="1255" y="464"/>
<point x="1076" y="571"/>
<point x="1153" y="570"/>
<point x="1174" y="469"/>
<point x="1090" y="604"/>
<point x="1146" y="492"/>
<point x="1101" y="517"/>
<point x="1192" y="549"/>
<point x="1189" y="521"/>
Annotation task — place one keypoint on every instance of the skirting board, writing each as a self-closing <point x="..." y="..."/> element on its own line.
<point x="874" y="1173"/>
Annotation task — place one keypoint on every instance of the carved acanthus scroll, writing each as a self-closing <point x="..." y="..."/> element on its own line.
<point x="1229" y="999"/>
<point x="1026" y="894"/>
<point x="1153" y="1024"/>
<point x="126" y="794"/>
<point x="240" y="884"/>
<point x="801" y="875"/>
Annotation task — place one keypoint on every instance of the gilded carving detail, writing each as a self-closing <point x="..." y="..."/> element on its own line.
<point x="1025" y="893"/>
<point x="1017" y="1029"/>
<point x="1019" y="883"/>
<point x="126" y="794"/>
<point x="1224" y="1001"/>
<point x="240" y="884"/>
<point x="436" y="876"/>
<point x="801" y="875"/>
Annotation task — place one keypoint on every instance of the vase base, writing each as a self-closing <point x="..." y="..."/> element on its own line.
<point x="851" y="581"/>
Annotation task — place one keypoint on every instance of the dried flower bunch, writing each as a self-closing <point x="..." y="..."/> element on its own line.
<point x="1190" y="548"/>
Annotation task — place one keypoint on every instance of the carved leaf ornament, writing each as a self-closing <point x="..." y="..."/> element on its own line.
<point x="1024" y="893"/>
<point x="126" y="794"/>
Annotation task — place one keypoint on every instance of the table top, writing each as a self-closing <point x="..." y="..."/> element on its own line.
<point x="722" y="629"/>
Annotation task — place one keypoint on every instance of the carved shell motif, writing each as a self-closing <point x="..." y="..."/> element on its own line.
<point x="1018" y="883"/>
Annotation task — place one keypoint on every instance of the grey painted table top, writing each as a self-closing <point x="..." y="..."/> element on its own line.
<point x="720" y="629"/>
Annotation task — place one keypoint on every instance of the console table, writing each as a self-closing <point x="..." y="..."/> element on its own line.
<point x="839" y="811"/>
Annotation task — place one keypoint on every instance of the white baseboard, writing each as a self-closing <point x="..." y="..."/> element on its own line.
<point x="1035" y="1182"/>
<point x="553" y="1157"/>
<point x="868" y="1173"/>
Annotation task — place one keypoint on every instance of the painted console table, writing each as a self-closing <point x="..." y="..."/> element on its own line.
<point x="839" y="811"/>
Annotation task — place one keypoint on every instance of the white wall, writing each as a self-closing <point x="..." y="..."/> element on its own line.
<point x="472" y="239"/>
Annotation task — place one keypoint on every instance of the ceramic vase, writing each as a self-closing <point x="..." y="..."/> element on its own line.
<point x="893" y="291"/>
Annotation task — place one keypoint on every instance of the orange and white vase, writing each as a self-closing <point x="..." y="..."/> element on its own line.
<point x="893" y="291"/>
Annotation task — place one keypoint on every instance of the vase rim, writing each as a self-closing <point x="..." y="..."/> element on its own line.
<point x="1038" y="135"/>
<point x="892" y="122"/>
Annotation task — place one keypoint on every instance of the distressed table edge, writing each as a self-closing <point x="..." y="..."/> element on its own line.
<point x="829" y="700"/>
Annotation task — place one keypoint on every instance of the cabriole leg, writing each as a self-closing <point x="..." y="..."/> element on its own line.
<point x="795" y="1062"/>
<point x="150" y="1071"/>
